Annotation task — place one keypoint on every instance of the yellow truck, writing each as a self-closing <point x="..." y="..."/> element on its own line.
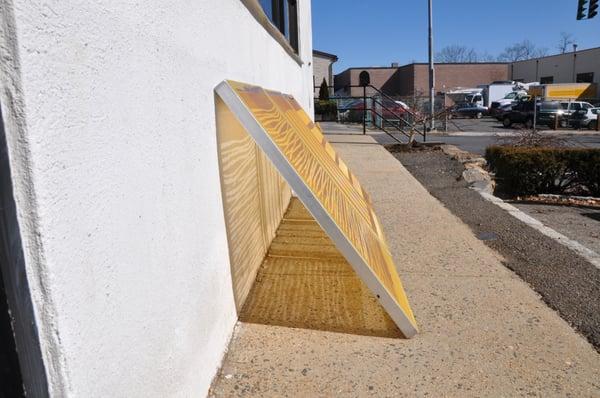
<point x="564" y="91"/>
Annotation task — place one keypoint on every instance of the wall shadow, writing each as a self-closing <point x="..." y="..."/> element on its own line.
<point x="304" y="282"/>
<point x="593" y="216"/>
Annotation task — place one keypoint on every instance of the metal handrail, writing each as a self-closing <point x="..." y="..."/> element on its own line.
<point x="412" y="126"/>
<point x="392" y="124"/>
<point x="390" y="98"/>
<point x="388" y="133"/>
<point x="391" y="111"/>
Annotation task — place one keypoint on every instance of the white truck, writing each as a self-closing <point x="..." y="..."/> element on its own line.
<point x="498" y="91"/>
<point x="466" y="95"/>
<point x="504" y="104"/>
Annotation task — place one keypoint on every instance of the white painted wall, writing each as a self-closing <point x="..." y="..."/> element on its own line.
<point x="109" y="112"/>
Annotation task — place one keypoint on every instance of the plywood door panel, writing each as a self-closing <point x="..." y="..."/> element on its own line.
<point x="325" y="185"/>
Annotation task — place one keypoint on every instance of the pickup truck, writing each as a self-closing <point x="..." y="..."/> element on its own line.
<point x="503" y="105"/>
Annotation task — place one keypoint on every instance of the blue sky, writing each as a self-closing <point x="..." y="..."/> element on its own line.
<point x="378" y="32"/>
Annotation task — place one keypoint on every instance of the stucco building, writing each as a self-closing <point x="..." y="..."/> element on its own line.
<point x="323" y="69"/>
<point x="116" y="260"/>
<point x="413" y="79"/>
<point x="573" y="67"/>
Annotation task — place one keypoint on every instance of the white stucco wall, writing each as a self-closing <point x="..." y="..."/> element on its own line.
<point x="109" y="114"/>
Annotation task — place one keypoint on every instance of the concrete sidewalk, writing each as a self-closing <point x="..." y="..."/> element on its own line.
<point x="483" y="331"/>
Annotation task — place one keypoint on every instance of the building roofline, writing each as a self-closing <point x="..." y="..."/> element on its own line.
<point x="557" y="55"/>
<point x="425" y="63"/>
<point x="325" y="55"/>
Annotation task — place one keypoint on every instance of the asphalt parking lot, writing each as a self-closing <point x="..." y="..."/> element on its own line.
<point x="474" y="135"/>
<point x="491" y="125"/>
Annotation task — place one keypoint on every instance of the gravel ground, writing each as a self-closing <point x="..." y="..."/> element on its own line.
<point x="566" y="282"/>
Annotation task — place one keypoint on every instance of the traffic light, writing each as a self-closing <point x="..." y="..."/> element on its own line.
<point x="593" y="9"/>
<point x="581" y="9"/>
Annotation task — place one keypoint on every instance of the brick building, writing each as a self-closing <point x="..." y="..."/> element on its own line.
<point x="413" y="78"/>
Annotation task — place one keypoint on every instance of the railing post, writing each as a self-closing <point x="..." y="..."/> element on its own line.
<point x="534" y="114"/>
<point x="365" y="110"/>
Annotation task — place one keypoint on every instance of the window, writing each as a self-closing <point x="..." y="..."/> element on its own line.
<point x="547" y="80"/>
<point x="585" y="77"/>
<point x="284" y="15"/>
<point x="550" y="105"/>
<point x="267" y="6"/>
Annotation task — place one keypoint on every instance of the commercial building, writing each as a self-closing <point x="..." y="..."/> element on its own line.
<point x="114" y="249"/>
<point x="572" y="67"/>
<point x="413" y="79"/>
<point x="323" y="69"/>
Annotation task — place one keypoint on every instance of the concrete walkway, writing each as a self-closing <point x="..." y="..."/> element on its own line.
<point x="483" y="331"/>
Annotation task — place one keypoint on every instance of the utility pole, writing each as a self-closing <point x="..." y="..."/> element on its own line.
<point x="431" y="69"/>
<point x="574" y="63"/>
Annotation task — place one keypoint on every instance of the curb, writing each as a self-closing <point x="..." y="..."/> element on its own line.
<point x="577" y="247"/>
<point x="487" y="194"/>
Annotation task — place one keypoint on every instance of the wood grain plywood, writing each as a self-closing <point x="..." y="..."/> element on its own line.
<point x="326" y="187"/>
<point x="255" y="198"/>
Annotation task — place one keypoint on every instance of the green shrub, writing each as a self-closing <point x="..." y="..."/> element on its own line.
<point x="326" y="107"/>
<point x="531" y="171"/>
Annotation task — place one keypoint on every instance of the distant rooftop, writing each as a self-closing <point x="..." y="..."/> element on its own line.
<point x="323" y="54"/>
<point x="395" y="65"/>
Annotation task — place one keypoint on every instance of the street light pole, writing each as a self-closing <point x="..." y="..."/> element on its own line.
<point x="431" y="69"/>
<point x="574" y="63"/>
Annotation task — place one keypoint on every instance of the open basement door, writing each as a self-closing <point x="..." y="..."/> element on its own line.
<point x="326" y="187"/>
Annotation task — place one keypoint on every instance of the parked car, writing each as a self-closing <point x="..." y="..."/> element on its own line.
<point x="570" y="107"/>
<point x="466" y="109"/>
<point x="387" y="108"/>
<point x="522" y="112"/>
<point x="585" y="118"/>
<point x="390" y="109"/>
<point x="353" y="110"/>
<point x="550" y="113"/>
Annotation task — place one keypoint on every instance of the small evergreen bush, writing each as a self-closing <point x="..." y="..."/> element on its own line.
<point x="535" y="170"/>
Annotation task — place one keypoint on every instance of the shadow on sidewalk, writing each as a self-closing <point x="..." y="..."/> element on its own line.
<point x="304" y="282"/>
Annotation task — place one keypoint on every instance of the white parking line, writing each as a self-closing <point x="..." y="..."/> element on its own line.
<point x="577" y="247"/>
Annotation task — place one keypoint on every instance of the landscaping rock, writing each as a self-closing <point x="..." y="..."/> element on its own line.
<point x="475" y="174"/>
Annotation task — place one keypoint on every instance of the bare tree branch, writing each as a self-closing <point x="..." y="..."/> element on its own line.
<point x="521" y="51"/>
<point x="456" y="53"/>
<point x="566" y="40"/>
